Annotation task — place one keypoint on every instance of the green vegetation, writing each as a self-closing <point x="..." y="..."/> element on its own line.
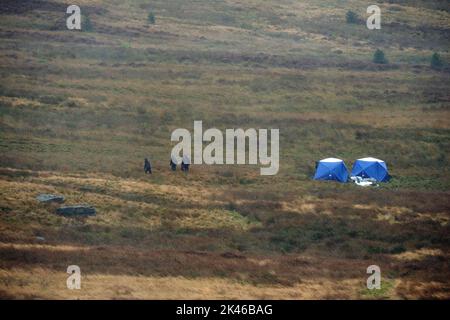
<point x="436" y="61"/>
<point x="351" y="17"/>
<point x="387" y="285"/>
<point x="378" y="57"/>
<point x="151" y="18"/>
<point x="86" y="24"/>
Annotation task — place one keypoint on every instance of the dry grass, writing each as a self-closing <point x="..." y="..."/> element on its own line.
<point x="134" y="287"/>
<point x="153" y="241"/>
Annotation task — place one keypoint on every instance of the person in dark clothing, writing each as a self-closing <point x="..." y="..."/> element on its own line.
<point x="184" y="166"/>
<point x="173" y="165"/>
<point x="147" y="166"/>
<point x="185" y="163"/>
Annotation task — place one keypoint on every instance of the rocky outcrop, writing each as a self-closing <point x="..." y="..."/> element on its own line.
<point x="78" y="210"/>
<point x="47" y="198"/>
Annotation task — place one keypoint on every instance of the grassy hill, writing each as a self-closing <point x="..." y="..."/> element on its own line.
<point x="79" y="111"/>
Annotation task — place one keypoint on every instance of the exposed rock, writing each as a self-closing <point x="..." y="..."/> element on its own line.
<point x="50" y="198"/>
<point x="79" y="210"/>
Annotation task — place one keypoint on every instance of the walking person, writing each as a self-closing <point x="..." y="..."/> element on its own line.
<point x="185" y="163"/>
<point x="147" y="166"/>
<point x="173" y="163"/>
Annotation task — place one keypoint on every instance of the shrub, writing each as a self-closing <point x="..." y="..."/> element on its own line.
<point x="151" y="18"/>
<point x="378" y="57"/>
<point x="436" y="61"/>
<point x="351" y="17"/>
<point x="49" y="99"/>
<point x="397" y="249"/>
<point x="167" y="117"/>
<point x="86" y="24"/>
<point x="245" y="181"/>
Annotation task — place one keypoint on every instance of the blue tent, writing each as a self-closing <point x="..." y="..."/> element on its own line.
<point x="331" y="169"/>
<point x="371" y="168"/>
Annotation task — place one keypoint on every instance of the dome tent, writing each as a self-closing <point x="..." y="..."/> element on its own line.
<point x="371" y="168"/>
<point x="331" y="169"/>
